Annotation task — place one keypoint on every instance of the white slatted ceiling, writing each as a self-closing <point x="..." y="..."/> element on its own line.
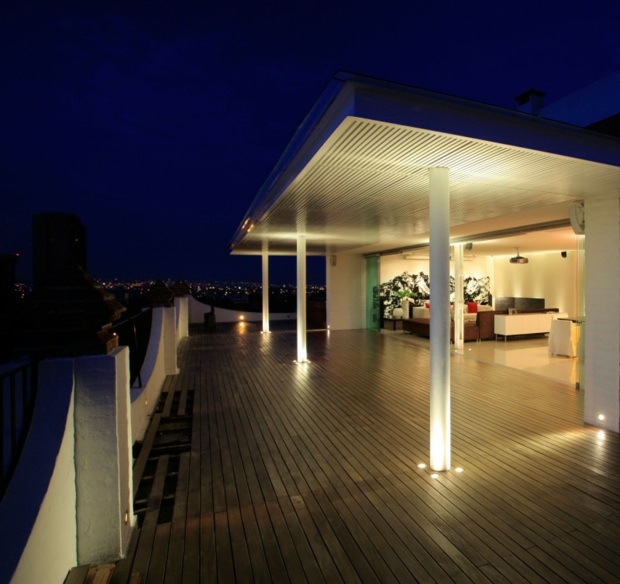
<point x="368" y="184"/>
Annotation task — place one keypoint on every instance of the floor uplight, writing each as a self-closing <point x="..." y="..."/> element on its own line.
<point x="421" y="465"/>
<point x="435" y="475"/>
<point x="458" y="469"/>
<point x="601" y="417"/>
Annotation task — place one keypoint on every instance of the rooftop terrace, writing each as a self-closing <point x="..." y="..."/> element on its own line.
<point x="266" y="471"/>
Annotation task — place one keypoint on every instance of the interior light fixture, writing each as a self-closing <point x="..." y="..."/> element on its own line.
<point x="518" y="259"/>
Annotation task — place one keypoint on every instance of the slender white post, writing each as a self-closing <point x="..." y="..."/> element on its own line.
<point x="265" y="292"/>
<point x="439" y="207"/>
<point x="459" y="306"/>
<point x="601" y="405"/>
<point x="103" y="460"/>
<point x="302" y="353"/>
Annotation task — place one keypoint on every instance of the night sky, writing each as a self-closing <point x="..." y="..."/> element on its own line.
<point x="158" y="123"/>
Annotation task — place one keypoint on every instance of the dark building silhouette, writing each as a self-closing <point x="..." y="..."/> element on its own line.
<point x="71" y="313"/>
<point x="59" y="248"/>
<point x="9" y="309"/>
<point x="8" y="263"/>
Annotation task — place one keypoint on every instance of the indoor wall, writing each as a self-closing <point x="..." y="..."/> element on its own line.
<point x="345" y="280"/>
<point x="394" y="265"/>
<point x="547" y="275"/>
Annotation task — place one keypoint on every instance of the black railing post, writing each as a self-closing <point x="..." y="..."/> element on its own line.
<point x="20" y="402"/>
<point x="134" y="332"/>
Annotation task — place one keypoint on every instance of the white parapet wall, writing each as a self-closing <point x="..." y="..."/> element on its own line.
<point x="103" y="457"/>
<point x="70" y="501"/>
<point x="197" y="311"/>
<point x="37" y="515"/>
<point x="160" y="360"/>
<point x="182" y="315"/>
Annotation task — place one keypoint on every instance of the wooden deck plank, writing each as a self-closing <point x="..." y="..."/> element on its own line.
<point x="145" y="450"/>
<point x="77" y="575"/>
<point x="192" y="543"/>
<point x="176" y="546"/>
<point x="169" y="398"/>
<point x="310" y="473"/>
<point x="148" y="543"/>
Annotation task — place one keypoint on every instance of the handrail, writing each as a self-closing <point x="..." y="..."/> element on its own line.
<point x="134" y="332"/>
<point x="18" y="383"/>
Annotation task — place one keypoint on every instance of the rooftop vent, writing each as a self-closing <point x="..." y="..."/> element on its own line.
<point x="531" y="101"/>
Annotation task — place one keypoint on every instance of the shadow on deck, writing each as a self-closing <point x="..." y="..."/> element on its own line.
<point x="261" y="470"/>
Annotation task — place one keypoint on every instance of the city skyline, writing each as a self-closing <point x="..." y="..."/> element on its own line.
<point x="157" y="128"/>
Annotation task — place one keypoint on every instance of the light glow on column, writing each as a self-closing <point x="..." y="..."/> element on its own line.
<point x="302" y="353"/>
<point x="265" y="292"/>
<point x="439" y="207"/>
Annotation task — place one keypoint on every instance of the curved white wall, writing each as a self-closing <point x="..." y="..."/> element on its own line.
<point x="103" y="456"/>
<point x="198" y="309"/>
<point x="41" y="496"/>
<point x="182" y="315"/>
<point x="70" y="499"/>
<point x="160" y="360"/>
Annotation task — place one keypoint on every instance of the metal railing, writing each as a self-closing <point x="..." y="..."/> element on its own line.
<point x="134" y="332"/>
<point x="18" y="382"/>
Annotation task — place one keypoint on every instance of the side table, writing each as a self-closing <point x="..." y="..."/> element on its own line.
<point x="393" y="324"/>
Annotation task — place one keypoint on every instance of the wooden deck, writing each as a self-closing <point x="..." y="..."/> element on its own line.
<point x="266" y="471"/>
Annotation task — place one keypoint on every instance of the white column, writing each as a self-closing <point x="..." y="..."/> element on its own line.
<point x="459" y="321"/>
<point x="170" y="340"/>
<point x="439" y="206"/>
<point x="103" y="456"/>
<point x="182" y="311"/>
<point x="265" y="292"/>
<point x="302" y="353"/>
<point x="602" y="320"/>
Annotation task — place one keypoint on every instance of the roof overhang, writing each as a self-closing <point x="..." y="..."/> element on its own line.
<point x="355" y="176"/>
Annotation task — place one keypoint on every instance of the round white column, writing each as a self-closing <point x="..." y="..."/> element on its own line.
<point x="265" y="292"/>
<point x="302" y="353"/>
<point x="439" y="207"/>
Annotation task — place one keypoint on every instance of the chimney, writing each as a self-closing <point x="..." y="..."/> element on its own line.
<point x="530" y="102"/>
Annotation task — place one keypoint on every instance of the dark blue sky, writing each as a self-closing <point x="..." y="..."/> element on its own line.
<point x="157" y="122"/>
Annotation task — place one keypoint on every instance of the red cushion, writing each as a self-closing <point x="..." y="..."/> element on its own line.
<point x="427" y="305"/>
<point x="472" y="307"/>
